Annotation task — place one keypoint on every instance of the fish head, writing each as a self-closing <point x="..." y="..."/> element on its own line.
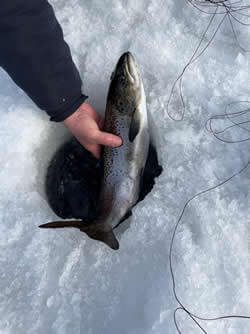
<point x="126" y="84"/>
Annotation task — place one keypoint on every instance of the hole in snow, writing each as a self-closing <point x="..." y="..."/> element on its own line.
<point x="74" y="178"/>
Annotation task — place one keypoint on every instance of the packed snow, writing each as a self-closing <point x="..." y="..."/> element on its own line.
<point x="60" y="281"/>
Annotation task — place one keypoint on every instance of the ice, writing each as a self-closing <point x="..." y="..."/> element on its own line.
<point x="63" y="282"/>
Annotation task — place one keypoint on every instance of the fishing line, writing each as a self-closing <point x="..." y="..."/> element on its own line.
<point x="237" y="12"/>
<point x="228" y="10"/>
<point x="181" y="307"/>
<point x="230" y="117"/>
<point x="192" y="60"/>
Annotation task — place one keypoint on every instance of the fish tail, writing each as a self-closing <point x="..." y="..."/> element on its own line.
<point x="99" y="231"/>
<point x="95" y="230"/>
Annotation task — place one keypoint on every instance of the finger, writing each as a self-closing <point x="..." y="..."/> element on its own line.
<point x="95" y="150"/>
<point x="96" y="117"/>
<point x="101" y="123"/>
<point x="107" y="139"/>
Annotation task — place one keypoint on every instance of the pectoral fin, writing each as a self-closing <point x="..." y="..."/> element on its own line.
<point x="134" y="126"/>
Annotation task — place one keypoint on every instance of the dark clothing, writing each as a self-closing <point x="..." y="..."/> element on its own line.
<point x="35" y="55"/>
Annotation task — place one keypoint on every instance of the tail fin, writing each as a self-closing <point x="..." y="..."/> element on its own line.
<point x="97" y="231"/>
<point x="108" y="237"/>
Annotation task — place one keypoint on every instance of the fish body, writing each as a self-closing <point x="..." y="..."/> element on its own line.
<point x="125" y="116"/>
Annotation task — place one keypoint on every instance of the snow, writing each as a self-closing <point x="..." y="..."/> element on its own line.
<point x="61" y="281"/>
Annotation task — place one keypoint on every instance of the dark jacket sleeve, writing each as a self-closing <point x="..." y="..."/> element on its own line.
<point x="35" y="55"/>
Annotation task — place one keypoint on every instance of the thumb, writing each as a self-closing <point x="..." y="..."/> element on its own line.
<point x="107" y="139"/>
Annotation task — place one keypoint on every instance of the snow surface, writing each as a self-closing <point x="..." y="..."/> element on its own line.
<point x="61" y="281"/>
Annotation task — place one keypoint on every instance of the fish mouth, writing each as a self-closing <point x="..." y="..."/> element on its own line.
<point x="131" y="68"/>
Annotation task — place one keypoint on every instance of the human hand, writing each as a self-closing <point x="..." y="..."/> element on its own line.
<point x="86" y="124"/>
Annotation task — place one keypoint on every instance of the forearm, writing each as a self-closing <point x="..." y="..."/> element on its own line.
<point x="35" y="55"/>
